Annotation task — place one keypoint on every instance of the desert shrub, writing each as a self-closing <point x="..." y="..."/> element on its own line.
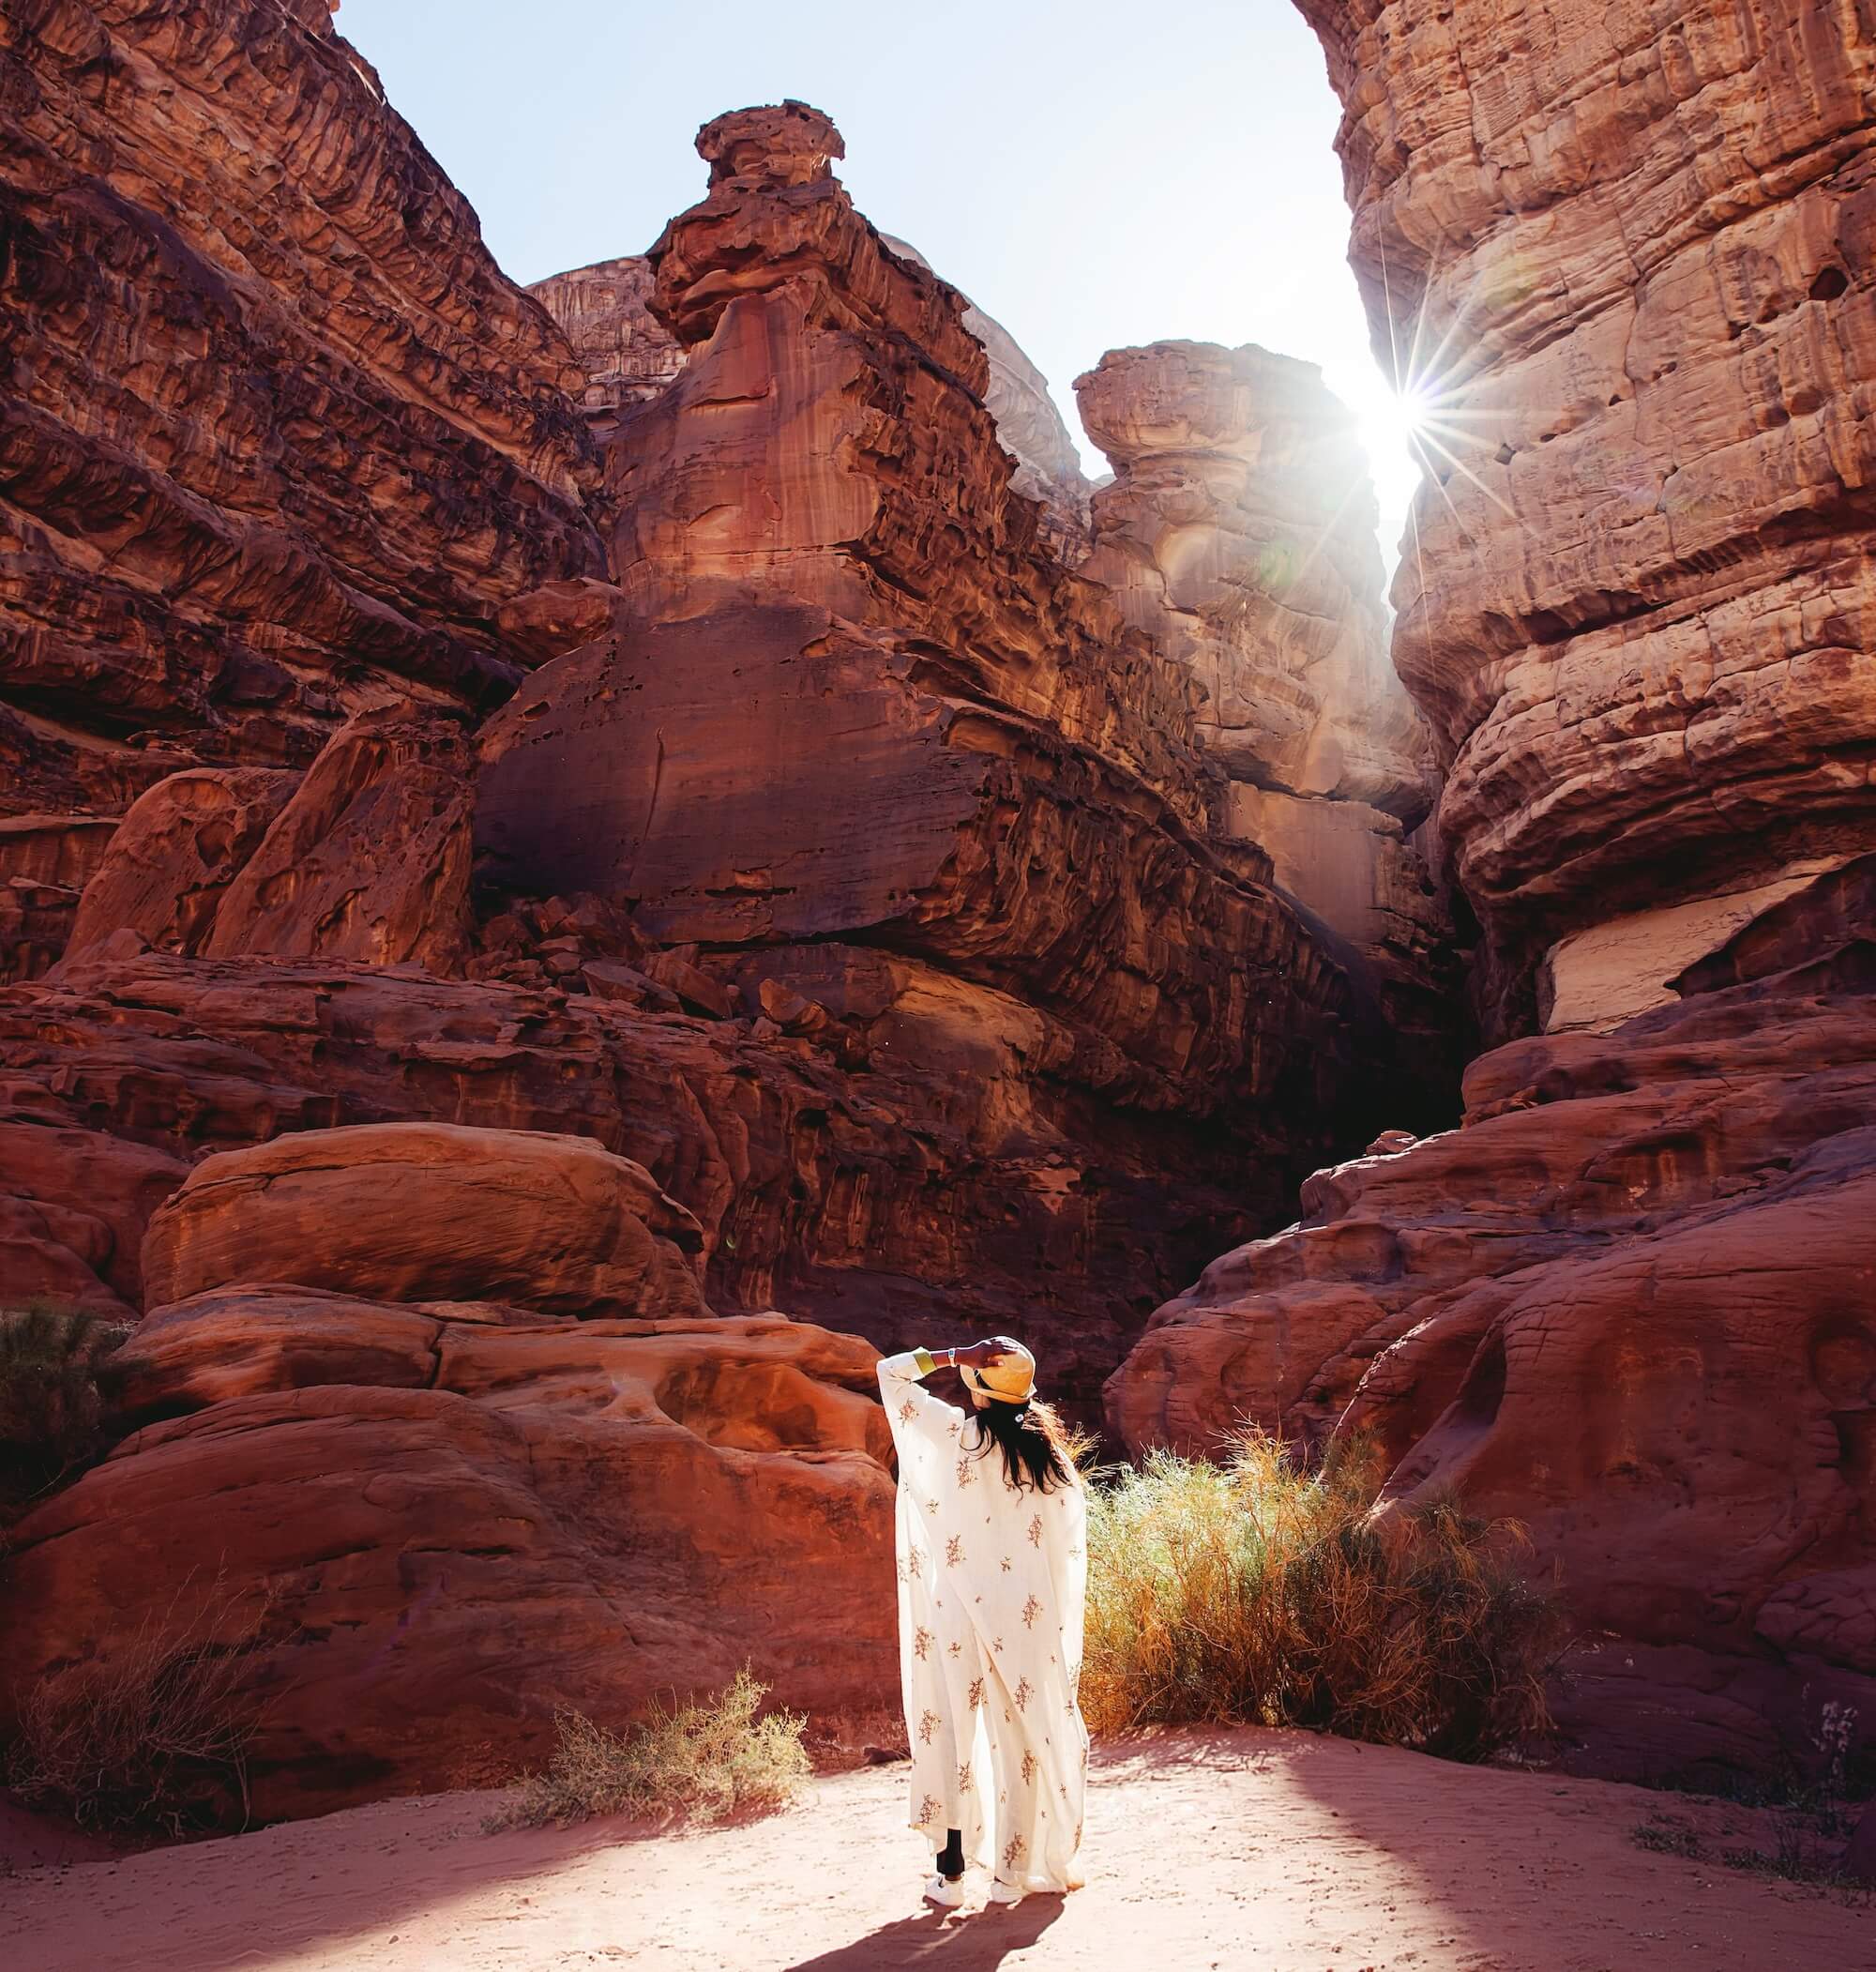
<point x="152" y="1738"/>
<point x="52" y="1410"/>
<point x="1249" y="1591"/>
<point x="696" y="1762"/>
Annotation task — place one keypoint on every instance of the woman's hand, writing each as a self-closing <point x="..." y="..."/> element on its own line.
<point x="988" y="1354"/>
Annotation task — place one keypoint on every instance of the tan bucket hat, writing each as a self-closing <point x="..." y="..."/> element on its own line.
<point x="1011" y="1381"/>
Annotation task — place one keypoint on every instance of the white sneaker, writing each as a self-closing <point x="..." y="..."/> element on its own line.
<point x="943" y="1892"/>
<point x="1001" y="1892"/>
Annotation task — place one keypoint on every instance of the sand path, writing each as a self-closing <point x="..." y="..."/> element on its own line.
<point x="1274" y="1851"/>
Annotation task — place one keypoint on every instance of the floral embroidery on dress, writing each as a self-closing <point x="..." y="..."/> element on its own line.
<point x="1031" y="1610"/>
<point x="977" y="1697"/>
<point x="928" y="1724"/>
<point x="954" y="1551"/>
<point x="1035" y="1531"/>
<point x="953" y="1648"/>
<point x="964" y="1778"/>
<point x="966" y="1471"/>
<point x="932" y="1507"/>
<point x="1006" y="1564"/>
<point x="1028" y="1766"/>
<point x="1024" y="1693"/>
<point x="927" y="1809"/>
<point x="907" y="1411"/>
<point x="922" y="1641"/>
<point x="1014" y="1850"/>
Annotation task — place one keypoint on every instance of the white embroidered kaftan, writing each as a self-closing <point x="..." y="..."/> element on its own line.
<point x="991" y="1582"/>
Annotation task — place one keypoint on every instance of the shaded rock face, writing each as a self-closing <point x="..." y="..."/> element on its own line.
<point x="1239" y="531"/>
<point x="1644" y="253"/>
<point x="279" y="435"/>
<point x="1628" y="1303"/>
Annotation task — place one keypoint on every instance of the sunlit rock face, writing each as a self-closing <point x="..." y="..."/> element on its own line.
<point x="1637" y="266"/>
<point x="279" y="435"/>
<point x="1239" y="531"/>
<point x="1627" y="1302"/>
<point x="629" y="356"/>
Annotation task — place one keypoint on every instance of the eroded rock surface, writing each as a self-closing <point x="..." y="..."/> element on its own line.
<point x="425" y="1528"/>
<point x="629" y="356"/>
<point x="279" y="434"/>
<point x="857" y="722"/>
<point x="1637" y="255"/>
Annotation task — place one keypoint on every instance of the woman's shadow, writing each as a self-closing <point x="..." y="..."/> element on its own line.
<point x="977" y="1943"/>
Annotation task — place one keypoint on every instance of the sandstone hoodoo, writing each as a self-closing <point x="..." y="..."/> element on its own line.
<point x="1629" y="1300"/>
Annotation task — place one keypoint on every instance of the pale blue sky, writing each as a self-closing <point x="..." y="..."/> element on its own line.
<point x="1092" y="175"/>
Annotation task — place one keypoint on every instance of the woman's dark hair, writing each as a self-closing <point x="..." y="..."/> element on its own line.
<point x="1030" y="1437"/>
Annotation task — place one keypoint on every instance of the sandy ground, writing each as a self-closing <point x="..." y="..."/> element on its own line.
<point x="1274" y="1851"/>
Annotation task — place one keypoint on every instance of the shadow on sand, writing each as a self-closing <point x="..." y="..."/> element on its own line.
<point x="978" y="1942"/>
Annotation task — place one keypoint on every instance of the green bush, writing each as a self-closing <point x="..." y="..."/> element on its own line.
<point x="1248" y="1591"/>
<point x="695" y="1762"/>
<point x="51" y="1408"/>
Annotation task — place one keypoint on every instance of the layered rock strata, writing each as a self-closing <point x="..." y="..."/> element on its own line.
<point x="1239" y="531"/>
<point x="1627" y="1304"/>
<point x="279" y="434"/>
<point x="856" y="720"/>
<point x="1639" y="272"/>
<point x="629" y="355"/>
<point x="1628" y="1301"/>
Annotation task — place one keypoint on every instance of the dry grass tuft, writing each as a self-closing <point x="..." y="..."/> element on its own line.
<point x="696" y="1762"/>
<point x="152" y="1738"/>
<point x="1248" y="1592"/>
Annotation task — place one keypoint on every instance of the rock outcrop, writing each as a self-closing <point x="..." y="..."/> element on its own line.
<point x="279" y="434"/>
<point x="630" y="357"/>
<point x="1628" y="1301"/>
<point x="1639" y="268"/>
<point x="1628" y="1304"/>
<point x="425" y="1528"/>
<point x="856" y="720"/>
<point x="1239" y="531"/>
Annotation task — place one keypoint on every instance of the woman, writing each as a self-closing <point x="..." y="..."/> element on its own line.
<point x="992" y="1568"/>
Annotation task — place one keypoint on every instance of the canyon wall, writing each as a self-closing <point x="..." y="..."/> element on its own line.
<point x="279" y="435"/>
<point x="692" y="853"/>
<point x="1627" y="1302"/>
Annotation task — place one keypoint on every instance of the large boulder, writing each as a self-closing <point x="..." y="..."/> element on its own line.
<point x="170" y="863"/>
<point x="426" y="1530"/>
<point x="425" y="1211"/>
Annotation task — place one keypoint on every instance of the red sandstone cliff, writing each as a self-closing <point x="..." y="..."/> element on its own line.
<point x="279" y="434"/>
<point x="1628" y="1300"/>
<point x="849" y="934"/>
